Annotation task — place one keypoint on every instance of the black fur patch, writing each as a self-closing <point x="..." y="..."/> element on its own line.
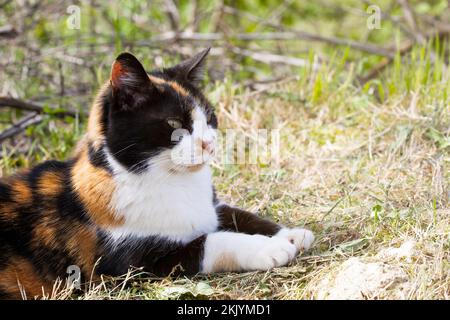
<point x="98" y="158"/>
<point x="136" y="111"/>
<point x="5" y="192"/>
<point x="156" y="255"/>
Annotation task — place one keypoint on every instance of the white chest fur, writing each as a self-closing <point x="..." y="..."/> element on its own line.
<point x="175" y="206"/>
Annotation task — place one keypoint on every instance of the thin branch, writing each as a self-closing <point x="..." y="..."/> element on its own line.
<point x="366" y="47"/>
<point x="410" y="19"/>
<point x="31" y="106"/>
<point x="20" y="126"/>
<point x="270" y="58"/>
<point x="172" y="14"/>
<point x="307" y="36"/>
<point x="269" y="36"/>
<point x="394" y="20"/>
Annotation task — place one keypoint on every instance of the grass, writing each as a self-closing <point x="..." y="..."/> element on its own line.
<point x="352" y="168"/>
<point x="365" y="167"/>
<point x="365" y="175"/>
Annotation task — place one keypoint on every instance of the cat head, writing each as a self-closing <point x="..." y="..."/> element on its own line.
<point x="157" y="119"/>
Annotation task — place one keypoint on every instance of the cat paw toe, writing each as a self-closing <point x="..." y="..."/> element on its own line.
<point x="277" y="252"/>
<point x="301" y="238"/>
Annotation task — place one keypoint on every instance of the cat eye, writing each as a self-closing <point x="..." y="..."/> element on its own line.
<point x="174" y="123"/>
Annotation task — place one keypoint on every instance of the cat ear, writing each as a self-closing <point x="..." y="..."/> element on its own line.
<point x="127" y="72"/>
<point x="193" y="69"/>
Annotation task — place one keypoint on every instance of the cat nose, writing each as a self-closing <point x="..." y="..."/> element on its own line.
<point x="208" y="145"/>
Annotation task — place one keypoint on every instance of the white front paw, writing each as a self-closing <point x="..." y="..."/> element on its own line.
<point x="230" y="251"/>
<point x="301" y="238"/>
<point x="273" y="252"/>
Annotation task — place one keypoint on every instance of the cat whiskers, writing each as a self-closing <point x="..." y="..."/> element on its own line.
<point x="123" y="149"/>
<point x="135" y="167"/>
<point x="167" y="172"/>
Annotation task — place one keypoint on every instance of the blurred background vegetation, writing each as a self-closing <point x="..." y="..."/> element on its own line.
<point x="53" y="67"/>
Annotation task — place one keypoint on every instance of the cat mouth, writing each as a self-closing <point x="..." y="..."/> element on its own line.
<point x="196" y="164"/>
<point x="195" y="167"/>
<point x="187" y="168"/>
<point x="192" y="161"/>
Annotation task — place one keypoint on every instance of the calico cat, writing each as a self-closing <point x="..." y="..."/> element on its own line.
<point x="128" y="197"/>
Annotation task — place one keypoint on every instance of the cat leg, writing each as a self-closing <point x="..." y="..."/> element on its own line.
<point x="224" y="251"/>
<point x="231" y="251"/>
<point x="238" y="220"/>
<point x="179" y="259"/>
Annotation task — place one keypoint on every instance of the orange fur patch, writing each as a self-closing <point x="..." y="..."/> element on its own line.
<point x="45" y="231"/>
<point x="174" y="85"/>
<point x="178" y="88"/>
<point x="50" y="183"/>
<point x="79" y="147"/>
<point x="95" y="134"/>
<point x="20" y="276"/>
<point x="21" y="192"/>
<point x="95" y="188"/>
<point x="82" y="245"/>
<point x="157" y="80"/>
<point x="7" y="213"/>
